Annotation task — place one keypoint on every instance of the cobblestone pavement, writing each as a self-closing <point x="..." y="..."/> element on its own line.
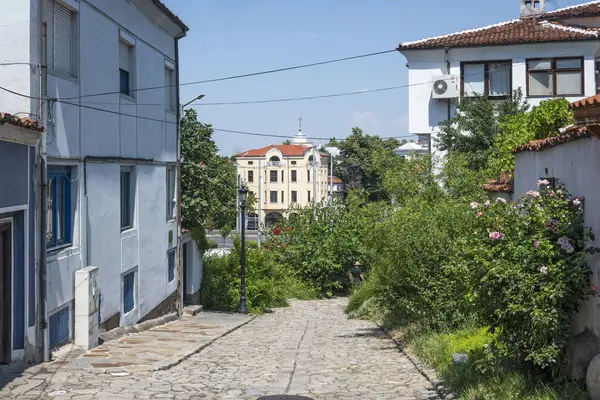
<point x="309" y="349"/>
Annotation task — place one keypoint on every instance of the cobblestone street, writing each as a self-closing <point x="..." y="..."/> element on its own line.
<point x="309" y="349"/>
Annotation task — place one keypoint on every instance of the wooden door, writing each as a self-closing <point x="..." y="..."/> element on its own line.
<point x="5" y="291"/>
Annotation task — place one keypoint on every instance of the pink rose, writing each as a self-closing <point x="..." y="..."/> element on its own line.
<point x="594" y="288"/>
<point x="496" y="235"/>
<point x="479" y="214"/>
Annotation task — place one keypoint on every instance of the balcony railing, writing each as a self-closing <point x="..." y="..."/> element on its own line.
<point x="274" y="164"/>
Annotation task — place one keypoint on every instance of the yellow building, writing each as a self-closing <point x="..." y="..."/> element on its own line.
<point x="281" y="176"/>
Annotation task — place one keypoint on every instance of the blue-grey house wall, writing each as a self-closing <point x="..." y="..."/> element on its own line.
<point x="14" y="174"/>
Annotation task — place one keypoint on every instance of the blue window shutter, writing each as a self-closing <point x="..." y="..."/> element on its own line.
<point x="19" y="282"/>
<point x="59" y="327"/>
<point x="171" y="265"/>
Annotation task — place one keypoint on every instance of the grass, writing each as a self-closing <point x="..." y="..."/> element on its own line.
<point x="436" y="349"/>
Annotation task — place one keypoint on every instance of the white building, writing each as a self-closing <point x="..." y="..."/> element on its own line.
<point x="283" y="176"/>
<point x="546" y="54"/>
<point x="111" y="147"/>
<point x="411" y="148"/>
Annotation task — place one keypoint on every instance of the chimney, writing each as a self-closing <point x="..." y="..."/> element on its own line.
<point x="532" y="7"/>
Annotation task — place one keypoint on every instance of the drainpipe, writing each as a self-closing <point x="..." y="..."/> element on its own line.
<point x="42" y="307"/>
<point x="446" y="52"/>
<point x="178" y="133"/>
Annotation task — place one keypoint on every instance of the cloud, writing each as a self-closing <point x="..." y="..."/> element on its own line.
<point x="365" y="120"/>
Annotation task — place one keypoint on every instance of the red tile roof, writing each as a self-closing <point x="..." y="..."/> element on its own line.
<point x="536" y="29"/>
<point x="170" y="14"/>
<point x="498" y="186"/>
<point x="585" y="103"/>
<point x="569" y="135"/>
<point x="288" y="150"/>
<point x="336" y="180"/>
<point x="22" y="122"/>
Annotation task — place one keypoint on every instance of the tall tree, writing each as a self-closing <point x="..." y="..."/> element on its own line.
<point x="364" y="160"/>
<point x="208" y="182"/>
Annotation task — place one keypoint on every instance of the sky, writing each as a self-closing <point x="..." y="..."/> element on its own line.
<point x="232" y="37"/>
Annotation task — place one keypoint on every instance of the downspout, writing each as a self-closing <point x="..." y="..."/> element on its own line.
<point x="180" y="296"/>
<point x="446" y="52"/>
<point x="42" y="308"/>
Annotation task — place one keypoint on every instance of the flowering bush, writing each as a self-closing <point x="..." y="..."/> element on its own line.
<point x="525" y="268"/>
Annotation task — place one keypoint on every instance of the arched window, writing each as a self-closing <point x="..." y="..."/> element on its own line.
<point x="311" y="158"/>
<point x="272" y="218"/>
<point x="274" y="159"/>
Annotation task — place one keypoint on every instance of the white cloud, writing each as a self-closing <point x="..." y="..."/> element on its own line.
<point x="366" y="120"/>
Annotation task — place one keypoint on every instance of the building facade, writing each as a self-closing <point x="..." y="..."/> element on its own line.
<point x="545" y="54"/>
<point x="111" y="147"/>
<point x="19" y="337"/>
<point x="282" y="177"/>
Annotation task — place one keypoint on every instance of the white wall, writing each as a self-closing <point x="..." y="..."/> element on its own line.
<point x="426" y="113"/>
<point x="576" y="165"/>
<point x="194" y="266"/>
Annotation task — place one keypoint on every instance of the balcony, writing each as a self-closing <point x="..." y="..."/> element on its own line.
<point x="274" y="164"/>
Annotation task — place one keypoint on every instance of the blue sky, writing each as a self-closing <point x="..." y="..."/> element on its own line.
<point x="231" y="37"/>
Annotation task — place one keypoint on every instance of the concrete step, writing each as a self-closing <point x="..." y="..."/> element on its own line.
<point x="192" y="311"/>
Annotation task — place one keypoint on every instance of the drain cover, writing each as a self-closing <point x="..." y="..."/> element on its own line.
<point x="284" y="397"/>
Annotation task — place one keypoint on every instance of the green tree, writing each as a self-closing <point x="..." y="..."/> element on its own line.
<point x="475" y="126"/>
<point x="288" y="141"/>
<point x="225" y="231"/>
<point x="363" y="162"/>
<point x="208" y="183"/>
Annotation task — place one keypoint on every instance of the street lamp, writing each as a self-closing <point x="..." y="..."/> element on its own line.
<point x="243" y="192"/>
<point x="199" y="97"/>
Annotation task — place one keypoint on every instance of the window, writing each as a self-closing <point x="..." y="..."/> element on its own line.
<point x="125" y="67"/>
<point x="293" y="162"/>
<point x="250" y="162"/>
<point x="309" y="195"/>
<point x="60" y="37"/>
<point x="282" y="200"/>
<point x="308" y="174"/>
<point x="273" y="176"/>
<point x="282" y="176"/>
<point x="273" y="196"/>
<point x="59" y="327"/>
<point x="265" y="198"/>
<point x="294" y="176"/>
<point x="171" y="192"/>
<point x="171" y="264"/>
<point x="294" y="196"/>
<point x="170" y="86"/>
<point x="126" y="198"/>
<point x="597" y="76"/>
<point x="555" y="77"/>
<point x="491" y="79"/>
<point x="128" y="292"/>
<point x="58" y="231"/>
<point x="250" y="176"/>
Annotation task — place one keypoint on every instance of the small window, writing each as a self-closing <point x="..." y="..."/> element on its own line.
<point x="282" y="176"/>
<point x="555" y="77"/>
<point x="128" y="292"/>
<point x="308" y="174"/>
<point x="170" y="89"/>
<point x="125" y="67"/>
<point x="250" y="176"/>
<point x="60" y="38"/>
<point x="59" y="206"/>
<point x="171" y="192"/>
<point x="250" y="162"/>
<point x="126" y="198"/>
<point x="294" y="175"/>
<point x="282" y="200"/>
<point x="294" y="196"/>
<point x="309" y="195"/>
<point x="273" y="176"/>
<point x="59" y="325"/>
<point x="171" y="264"/>
<point x="273" y="196"/>
<point x="265" y="198"/>
<point x="293" y="162"/>
<point x="490" y="79"/>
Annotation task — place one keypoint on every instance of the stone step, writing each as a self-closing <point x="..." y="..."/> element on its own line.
<point x="192" y="311"/>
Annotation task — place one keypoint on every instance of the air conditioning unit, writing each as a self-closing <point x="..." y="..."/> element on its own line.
<point x="445" y="87"/>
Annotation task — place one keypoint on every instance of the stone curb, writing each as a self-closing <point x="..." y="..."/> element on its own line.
<point x="144" y="326"/>
<point x="174" y="363"/>
<point x="429" y="374"/>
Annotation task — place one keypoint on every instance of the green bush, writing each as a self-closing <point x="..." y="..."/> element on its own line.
<point x="525" y="269"/>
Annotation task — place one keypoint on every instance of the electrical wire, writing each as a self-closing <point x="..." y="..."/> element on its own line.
<point x="227" y="78"/>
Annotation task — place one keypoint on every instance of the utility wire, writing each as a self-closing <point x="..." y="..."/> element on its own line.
<point x="227" y="78"/>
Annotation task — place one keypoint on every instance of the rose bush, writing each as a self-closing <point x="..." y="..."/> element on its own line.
<point x="525" y="269"/>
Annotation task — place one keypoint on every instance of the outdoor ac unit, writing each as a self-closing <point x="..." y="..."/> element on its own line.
<point x="445" y="87"/>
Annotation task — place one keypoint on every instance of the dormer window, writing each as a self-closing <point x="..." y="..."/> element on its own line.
<point x="275" y="161"/>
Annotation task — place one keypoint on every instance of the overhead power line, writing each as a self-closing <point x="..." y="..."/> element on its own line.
<point x="227" y="78"/>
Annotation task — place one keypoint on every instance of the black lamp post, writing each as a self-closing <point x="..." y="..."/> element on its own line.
<point x="243" y="196"/>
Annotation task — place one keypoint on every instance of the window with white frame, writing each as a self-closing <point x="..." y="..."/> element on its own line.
<point x="171" y="192"/>
<point x="127" y="196"/>
<point x="491" y="79"/>
<point x="60" y="37"/>
<point x="273" y="196"/>
<point x="555" y="77"/>
<point x="58" y="231"/>
<point x="170" y="100"/>
<point x="125" y="68"/>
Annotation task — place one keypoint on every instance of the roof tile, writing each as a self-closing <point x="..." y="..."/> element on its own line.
<point x="288" y="150"/>
<point x="22" y="122"/>
<point x="570" y="135"/>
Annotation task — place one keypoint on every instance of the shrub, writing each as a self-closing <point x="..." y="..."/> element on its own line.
<point x="525" y="270"/>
